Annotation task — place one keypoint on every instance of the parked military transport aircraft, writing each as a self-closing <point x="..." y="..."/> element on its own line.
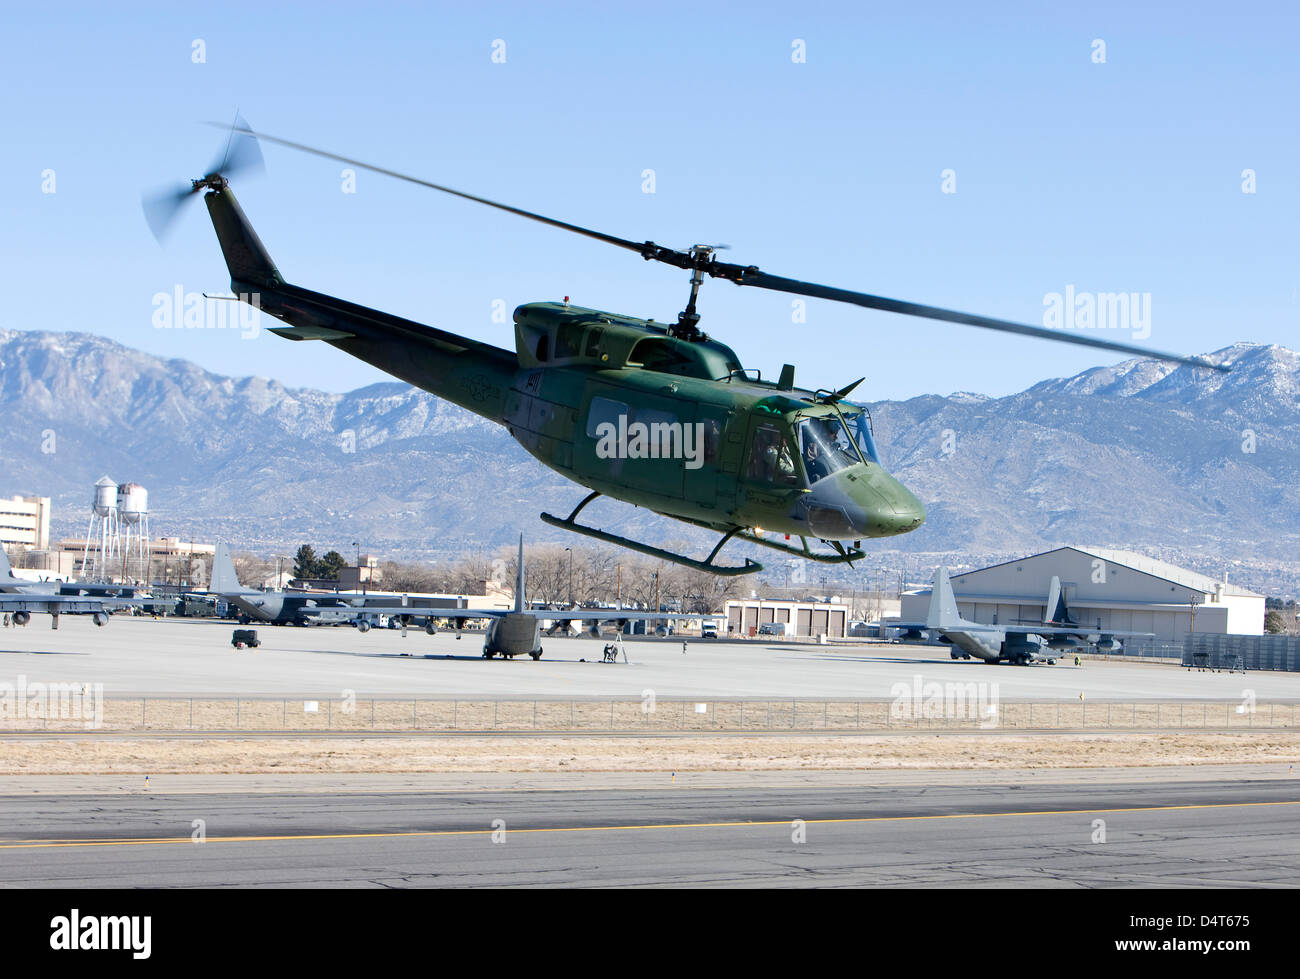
<point x="1021" y="643"/>
<point x="304" y="608"/>
<point x="519" y="632"/>
<point x="511" y="633"/>
<point x="21" y="598"/>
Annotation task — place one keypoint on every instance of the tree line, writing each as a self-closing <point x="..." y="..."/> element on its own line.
<point x="556" y="576"/>
<point x="307" y="565"/>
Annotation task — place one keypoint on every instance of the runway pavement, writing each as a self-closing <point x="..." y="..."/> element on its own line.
<point x="1201" y="829"/>
<point x="135" y="657"/>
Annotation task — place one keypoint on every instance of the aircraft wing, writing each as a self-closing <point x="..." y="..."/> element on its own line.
<point x="343" y="612"/>
<point x="615" y="615"/>
<point x="925" y="627"/>
<point x="1074" y="630"/>
<point x="1027" y="629"/>
<point x="71" y="604"/>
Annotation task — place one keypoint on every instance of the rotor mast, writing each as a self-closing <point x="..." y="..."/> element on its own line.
<point x="688" y="320"/>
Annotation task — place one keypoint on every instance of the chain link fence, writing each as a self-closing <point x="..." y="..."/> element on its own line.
<point x="388" y="716"/>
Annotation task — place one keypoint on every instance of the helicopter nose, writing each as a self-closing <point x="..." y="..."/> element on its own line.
<point x="903" y="513"/>
<point x="862" y="501"/>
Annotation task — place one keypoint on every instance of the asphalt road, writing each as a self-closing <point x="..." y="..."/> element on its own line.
<point x="998" y="831"/>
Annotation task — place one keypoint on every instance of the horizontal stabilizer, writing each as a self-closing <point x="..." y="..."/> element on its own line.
<point x="309" y="333"/>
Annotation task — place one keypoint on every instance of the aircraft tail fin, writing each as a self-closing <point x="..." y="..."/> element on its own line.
<point x="6" y="572"/>
<point x="224" y="579"/>
<point x="519" y="578"/>
<point x="1056" y="612"/>
<point x="247" y="258"/>
<point x="943" y="604"/>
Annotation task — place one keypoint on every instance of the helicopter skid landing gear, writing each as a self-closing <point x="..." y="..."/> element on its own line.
<point x="843" y="555"/>
<point x="568" y="523"/>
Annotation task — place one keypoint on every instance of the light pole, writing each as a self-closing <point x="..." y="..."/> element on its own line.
<point x="655" y="575"/>
<point x="570" y="550"/>
<point x="359" y="582"/>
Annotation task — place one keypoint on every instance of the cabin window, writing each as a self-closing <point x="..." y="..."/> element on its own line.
<point x="770" y="458"/>
<point x="712" y="430"/>
<point x="568" y="341"/>
<point x="666" y="357"/>
<point x="603" y="410"/>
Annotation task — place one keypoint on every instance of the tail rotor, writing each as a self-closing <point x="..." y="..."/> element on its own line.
<point x="241" y="154"/>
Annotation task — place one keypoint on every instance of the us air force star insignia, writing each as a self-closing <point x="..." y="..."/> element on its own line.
<point x="479" y="387"/>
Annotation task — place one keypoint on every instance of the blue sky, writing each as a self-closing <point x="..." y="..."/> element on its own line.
<point x="1121" y="176"/>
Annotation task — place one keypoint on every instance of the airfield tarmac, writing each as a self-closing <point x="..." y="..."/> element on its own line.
<point x="1202" y="824"/>
<point x="135" y="657"/>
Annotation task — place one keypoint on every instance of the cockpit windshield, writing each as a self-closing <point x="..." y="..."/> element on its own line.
<point x="859" y="423"/>
<point x="826" y="447"/>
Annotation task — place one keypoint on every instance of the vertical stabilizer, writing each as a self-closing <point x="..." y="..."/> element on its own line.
<point x="519" y="578"/>
<point x="6" y="572"/>
<point x="224" y="580"/>
<point x="943" y="604"/>
<point x="1056" y="612"/>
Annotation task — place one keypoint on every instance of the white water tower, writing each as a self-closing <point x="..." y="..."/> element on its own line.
<point x="133" y="524"/>
<point x="103" y="543"/>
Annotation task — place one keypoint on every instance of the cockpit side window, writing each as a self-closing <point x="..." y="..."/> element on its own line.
<point x="859" y="422"/>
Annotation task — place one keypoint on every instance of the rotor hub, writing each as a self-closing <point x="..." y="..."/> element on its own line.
<point x="213" y="181"/>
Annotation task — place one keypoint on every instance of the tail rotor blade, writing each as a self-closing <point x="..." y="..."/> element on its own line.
<point x="242" y="152"/>
<point x="161" y="209"/>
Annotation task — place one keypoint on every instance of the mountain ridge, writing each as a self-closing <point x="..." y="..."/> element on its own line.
<point x="1189" y="465"/>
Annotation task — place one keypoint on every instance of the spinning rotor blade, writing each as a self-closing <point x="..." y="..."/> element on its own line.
<point x="577" y="229"/>
<point x="777" y="283"/>
<point x="160" y="209"/>
<point x="241" y="154"/>
<point x="701" y="259"/>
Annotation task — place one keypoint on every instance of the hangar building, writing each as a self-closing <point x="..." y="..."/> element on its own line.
<point x="806" y="618"/>
<point x="1119" y="590"/>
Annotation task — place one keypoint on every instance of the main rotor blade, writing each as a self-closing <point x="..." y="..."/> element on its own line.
<point x="635" y="246"/>
<point x="761" y="280"/>
<point x="751" y="275"/>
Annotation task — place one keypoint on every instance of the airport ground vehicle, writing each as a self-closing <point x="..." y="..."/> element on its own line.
<point x="245" y="637"/>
